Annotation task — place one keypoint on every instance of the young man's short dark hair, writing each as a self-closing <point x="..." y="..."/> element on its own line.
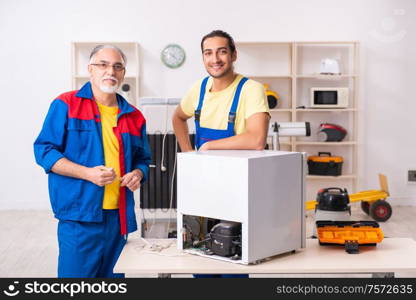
<point x="219" y="33"/>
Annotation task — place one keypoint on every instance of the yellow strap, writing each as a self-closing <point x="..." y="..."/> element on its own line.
<point x="369" y="196"/>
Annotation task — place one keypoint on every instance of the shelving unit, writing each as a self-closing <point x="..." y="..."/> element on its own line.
<point x="80" y="59"/>
<point x="291" y="69"/>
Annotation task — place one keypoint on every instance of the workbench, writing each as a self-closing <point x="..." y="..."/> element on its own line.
<point x="384" y="260"/>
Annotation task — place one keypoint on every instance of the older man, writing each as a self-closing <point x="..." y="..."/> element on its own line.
<point x="94" y="148"/>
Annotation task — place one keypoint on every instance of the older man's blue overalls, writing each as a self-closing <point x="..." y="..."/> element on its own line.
<point x="203" y="135"/>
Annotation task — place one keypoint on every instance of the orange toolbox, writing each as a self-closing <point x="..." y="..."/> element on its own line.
<point x="325" y="164"/>
<point x="351" y="234"/>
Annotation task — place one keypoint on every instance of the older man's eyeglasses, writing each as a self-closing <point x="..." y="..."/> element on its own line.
<point x="103" y="66"/>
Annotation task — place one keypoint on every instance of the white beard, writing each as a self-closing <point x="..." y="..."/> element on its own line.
<point x="108" y="89"/>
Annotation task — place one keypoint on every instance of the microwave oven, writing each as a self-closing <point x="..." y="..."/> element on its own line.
<point x="329" y="97"/>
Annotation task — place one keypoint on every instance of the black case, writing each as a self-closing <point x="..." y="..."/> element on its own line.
<point x="333" y="199"/>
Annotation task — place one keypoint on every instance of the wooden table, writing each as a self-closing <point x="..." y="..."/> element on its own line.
<point x="390" y="256"/>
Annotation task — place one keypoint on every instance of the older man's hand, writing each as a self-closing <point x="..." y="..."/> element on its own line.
<point x="100" y="175"/>
<point x="132" y="180"/>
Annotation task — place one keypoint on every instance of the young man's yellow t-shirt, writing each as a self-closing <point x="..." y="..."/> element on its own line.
<point x="111" y="154"/>
<point x="216" y="106"/>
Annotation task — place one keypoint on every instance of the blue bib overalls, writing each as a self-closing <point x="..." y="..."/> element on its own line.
<point x="203" y="135"/>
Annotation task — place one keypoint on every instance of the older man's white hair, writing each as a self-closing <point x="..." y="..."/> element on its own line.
<point x="100" y="47"/>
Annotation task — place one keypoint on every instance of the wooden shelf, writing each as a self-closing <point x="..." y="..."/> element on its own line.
<point x="251" y="43"/>
<point x="326" y="110"/>
<point x="329" y="43"/>
<point x="299" y="62"/>
<point x="313" y="110"/>
<point x="269" y="76"/>
<point x="319" y="177"/>
<point x="324" y="77"/>
<point x="325" y="143"/>
<point x="281" y="110"/>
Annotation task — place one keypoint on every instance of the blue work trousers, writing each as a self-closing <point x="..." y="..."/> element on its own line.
<point x="90" y="249"/>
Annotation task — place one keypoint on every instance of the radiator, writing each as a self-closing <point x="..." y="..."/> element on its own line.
<point x="157" y="191"/>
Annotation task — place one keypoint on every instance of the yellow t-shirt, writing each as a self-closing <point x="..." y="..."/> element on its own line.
<point x="216" y="106"/>
<point x="111" y="154"/>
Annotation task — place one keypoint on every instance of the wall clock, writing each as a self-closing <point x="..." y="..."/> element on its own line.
<point x="173" y="56"/>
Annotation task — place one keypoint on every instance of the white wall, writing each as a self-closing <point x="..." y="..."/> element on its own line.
<point x="35" y="41"/>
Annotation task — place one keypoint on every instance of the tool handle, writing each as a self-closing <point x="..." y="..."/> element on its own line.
<point x="327" y="153"/>
<point x="333" y="188"/>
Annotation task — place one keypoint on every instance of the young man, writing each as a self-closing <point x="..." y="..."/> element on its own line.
<point x="231" y="111"/>
<point x="93" y="145"/>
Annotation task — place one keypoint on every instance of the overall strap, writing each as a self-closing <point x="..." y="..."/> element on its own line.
<point x="201" y="99"/>
<point x="233" y="110"/>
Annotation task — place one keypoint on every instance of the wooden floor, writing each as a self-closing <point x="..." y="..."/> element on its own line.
<point x="28" y="246"/>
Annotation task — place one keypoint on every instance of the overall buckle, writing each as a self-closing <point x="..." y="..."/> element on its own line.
<point x="197" y="115"/>
<point x="231" y="118"/>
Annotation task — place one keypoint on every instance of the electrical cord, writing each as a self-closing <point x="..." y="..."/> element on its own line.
<point x="162" y="163"/>
<point x="162" y="166"/>
<point x="153" y="223"/>
<point x="171" y="187"/>
<point x="157" y="247"/>
<point x="144" y="220"/>
<point x="162" y="160"/>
